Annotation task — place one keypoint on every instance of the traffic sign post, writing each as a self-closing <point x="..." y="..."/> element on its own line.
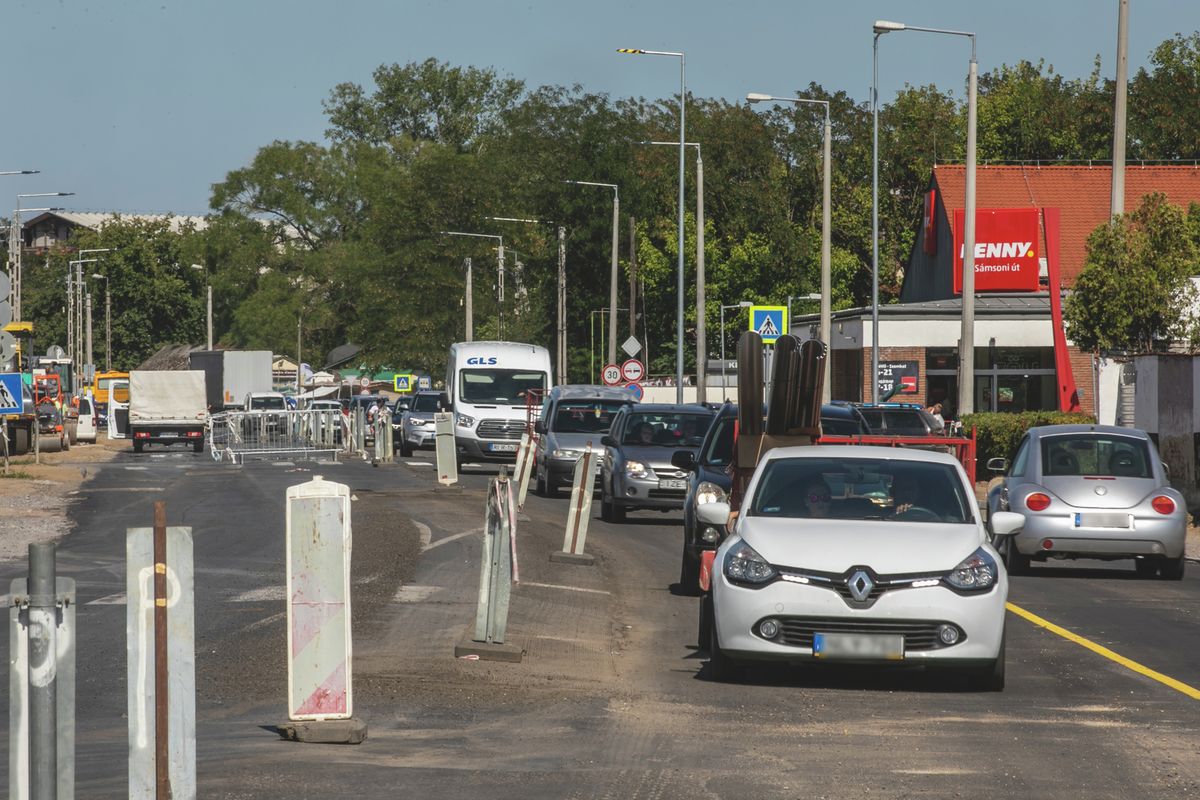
<point x="633" y="370"/>
<point x="611" y="375"/>
<point x="403" y="384"/>
<point x="770" y="322"/>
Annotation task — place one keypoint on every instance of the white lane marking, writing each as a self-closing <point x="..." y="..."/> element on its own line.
<point x="284" y="463"/>
<point x="564" y="588"/>
<point x="419" y="463"/>
<point x="414" y="593"/>
<point x="91" y="490"/>
<point x="116" y="599"/>
<point x="263" y="622"/>
<point x="260" y="594"/>
<point x="137" y="468"/>
<point x="440" y="542"/>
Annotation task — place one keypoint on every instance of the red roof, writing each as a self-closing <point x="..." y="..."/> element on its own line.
<point x="1083" y="193"/>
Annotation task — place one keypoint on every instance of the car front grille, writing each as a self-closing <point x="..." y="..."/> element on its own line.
<point x="500" y="429"/>
<point x="840" y="582"/>
<point x="918" y="634"/>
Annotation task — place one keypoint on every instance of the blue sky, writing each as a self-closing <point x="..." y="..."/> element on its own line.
<point x="141" y="106"/>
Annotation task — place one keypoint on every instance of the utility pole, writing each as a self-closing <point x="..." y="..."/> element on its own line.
<point x="299" y="331"/>
<point x="210" y="336"/>
<point x="701" y="344"/>
<point x="562" y="304"/>
<point x="1122" y="80"/>
<point x="633" y="276"/>
<point x="468" y="303"/>
<point x="107" y="327"/>
<point x="89" y="336"/>
<point x="612" y="282"/>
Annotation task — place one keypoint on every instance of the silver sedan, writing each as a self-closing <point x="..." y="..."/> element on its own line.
<point x="1091" y="491"/>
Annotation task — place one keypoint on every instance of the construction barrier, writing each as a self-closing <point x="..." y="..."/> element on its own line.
<point x="524" y="468"/>
<point x="235" y="436"/>
<point x="580" y="511"/>
<point x="446" y="451"/>
<point x="498" y="566"/>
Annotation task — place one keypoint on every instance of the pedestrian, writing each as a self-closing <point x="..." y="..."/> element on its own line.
<point x="936" y="411"/>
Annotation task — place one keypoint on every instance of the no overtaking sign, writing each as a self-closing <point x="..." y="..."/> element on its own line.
<point x="633" y="370"/>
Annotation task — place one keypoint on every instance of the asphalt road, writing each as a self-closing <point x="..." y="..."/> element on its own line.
<point x="610" y="700"/>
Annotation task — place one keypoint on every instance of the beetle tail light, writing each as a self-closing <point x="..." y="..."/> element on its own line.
<point x="1037" y="502"/>
<point x="1163" y="504"/>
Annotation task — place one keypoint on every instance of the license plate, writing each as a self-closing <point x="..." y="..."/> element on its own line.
<point x="673" y="483"/>
<point x="852" y="646"/>
<point x="1099" y="519"/>
<point x="503" y="448"/>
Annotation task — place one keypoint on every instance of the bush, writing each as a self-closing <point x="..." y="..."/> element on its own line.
<point x="997" y="434"/>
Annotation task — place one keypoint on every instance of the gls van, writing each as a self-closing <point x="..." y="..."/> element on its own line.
<point x="488" y="384"/>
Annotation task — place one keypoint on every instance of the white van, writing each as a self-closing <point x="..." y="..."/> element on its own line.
<point x="488" y="384"/>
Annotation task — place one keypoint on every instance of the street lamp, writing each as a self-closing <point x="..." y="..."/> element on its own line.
<point x="701" y="316"/>
<point x="82" y="325"/>
<point x="469" y="310"/>
<point x="75" y="312"/>
<point x="612" y="281"/>
<point x="724" y="378"/>
<point x="966" y="346"/>
<point x="15" y="256"/>
<point x="203" y="269"/>
<point x="826" y="233"/>
<point x="679" y="270"/>
<point x="107" y="322"/>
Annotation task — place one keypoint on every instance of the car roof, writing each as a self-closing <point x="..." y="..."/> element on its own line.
<point x="861" y="451"/>
<point x="591" y="392"/>
<point x="666" y="408"/>
<point x="1053" y="430"/>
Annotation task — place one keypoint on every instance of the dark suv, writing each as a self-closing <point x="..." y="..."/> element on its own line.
<point x="709" y="481"/>
<point x="900" y="419"/>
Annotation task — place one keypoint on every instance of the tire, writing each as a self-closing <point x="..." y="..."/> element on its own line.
<point x="138" y="444"/>
<point x="405" y="450"/>
<point x="539" y="484"/>
<point x="721" y="668"/>
<point x="1015" y="561"/>
<point x="1171" y="569"/>
<point x="66" y="442"/>
<point x="989" y="678"/>
<point x="198" y="447"/>
<point x="606" y="508"/>
<point x="1146" y="567"/>
<point x="689" y="576"/>
<point x="21" y="441"/>
<point x="704" y="622"/>
<point x="618" y="513"/>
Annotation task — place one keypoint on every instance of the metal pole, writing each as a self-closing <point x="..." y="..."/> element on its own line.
<point x="500" y="292"/>
<point x="875" y="222"/>
<point x="562" y="304"/>
<point x="679" y="269"/>
<point x="633" y="277"/>
<point x="966" y="380"/>
<point x="468" y="302"/>
<point x="724" y="379"/>
<point x="71" y="310"/>
<point x="299" y="336"/>
<point x="89" y="331"/>
<point x="612" y="281"/>
<point x="1122" y="80"/>
<point x="162" y="773"/>
<point x="701" y="333"/>
<point x="107" y="326"/>
<point x="826" y="282"/>
<point x="210" y="336"/>
<point x="43" y="689"/>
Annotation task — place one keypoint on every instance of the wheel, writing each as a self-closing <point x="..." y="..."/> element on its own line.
<point x="606" y="508"/>
<point x="989" y="678"/>
<point x="1171" y="569"/>
<point x="1145" y="567"/>
<point x="405" y="449"/>
<point x="689" y="575"/>
<point x="46" y="444"/>
<point x="721" y="668"/>
<point x="539" y="484"/>
<point x="618" y="513"/>
<point x="1015" y="561"/>
<point x="138" y="444"/>
<point x="198" y="447"/>
<point x="20" y="441"/>
<point x="66" y="442"/>
<point x="704" y="623"/>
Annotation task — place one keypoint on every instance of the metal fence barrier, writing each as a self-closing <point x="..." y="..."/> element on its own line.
<point x="273" y="435"/>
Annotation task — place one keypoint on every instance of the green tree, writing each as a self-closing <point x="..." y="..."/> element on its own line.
<point x="1164" y="102"/>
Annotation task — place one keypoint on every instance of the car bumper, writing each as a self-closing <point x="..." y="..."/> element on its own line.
<point x="738" y="611"/>
<point x="645" y="493"/>
<point x="481" y="450"/>
<point x="1164" y="536"/>
<point x="420" y="437"/>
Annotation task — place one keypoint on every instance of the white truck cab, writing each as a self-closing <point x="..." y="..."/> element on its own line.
<point x="488" y="384"/>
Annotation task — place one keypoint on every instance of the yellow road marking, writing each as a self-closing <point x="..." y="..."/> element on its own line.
<point x="1166" y="680"/>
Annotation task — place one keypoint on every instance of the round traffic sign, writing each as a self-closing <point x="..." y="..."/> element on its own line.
<point x="365" y="382"/>
<point x="611" y="374"/>
<point x="636" y="390"/>
<point x="633" y="370"/>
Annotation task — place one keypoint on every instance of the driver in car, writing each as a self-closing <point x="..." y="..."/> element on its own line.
<point x="906" y="493"/>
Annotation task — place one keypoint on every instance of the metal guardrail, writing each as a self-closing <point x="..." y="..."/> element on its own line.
<point x="963" y="447"/>
<point x="276" y="435"/>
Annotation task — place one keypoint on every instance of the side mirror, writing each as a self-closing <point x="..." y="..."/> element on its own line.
<point x="1006" y="523"/>
<point x="715" y="514"/>
<point x="608" y="441"/>
<point x="998" y="464"/>
<point x="684" y="460"/>
<point x="1167" y="470"/>
<point x="539" y="427"/>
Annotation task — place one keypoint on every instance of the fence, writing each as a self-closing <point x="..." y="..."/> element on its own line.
<point x="238" y="435"/>
<point x="963" y="447"/>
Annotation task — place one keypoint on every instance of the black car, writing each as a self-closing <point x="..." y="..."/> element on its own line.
<point x="709" y="480"/>
<point x="900" y="419"/>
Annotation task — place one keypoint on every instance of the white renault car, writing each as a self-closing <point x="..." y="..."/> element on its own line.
<point x="860" y="554"/>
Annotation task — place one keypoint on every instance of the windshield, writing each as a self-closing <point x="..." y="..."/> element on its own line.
<point x="585" y="416"/>
<point x="498" y="386"/>
<point x="1095" y="454"/>
<point x="267" y="404"/>
<point x="670" y="429"/>
<point x="428" y="402"/>
<point x="720" y="445"/>
<point x="861" y="488"/>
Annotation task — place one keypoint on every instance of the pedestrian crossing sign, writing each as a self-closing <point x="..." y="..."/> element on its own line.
<point x="769" y="321"/>
<point x="403" y="383"/>
<point x="11" y="401"/>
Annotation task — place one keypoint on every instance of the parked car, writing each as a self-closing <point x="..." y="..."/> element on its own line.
<point x="331" y="407"/>
<point x="416" y="430"/>
<point x="571" y="417"/>
<point x="638" y="469"/>
<point x="709" y="479"/>
<point x="88" y="420"/>
<point x="1091" y="491"/>
<point x="900" y="419"/>
<point x="265" y="413"/>
<point x="811" y="578"/>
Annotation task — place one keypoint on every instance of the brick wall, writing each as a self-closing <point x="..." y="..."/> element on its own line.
<point x="1081" y="369"/>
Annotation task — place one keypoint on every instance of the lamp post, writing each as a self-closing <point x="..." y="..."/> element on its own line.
<point x="724" y="378"/>
<point x="826" y="233"/>
<point x="75" y="309"/>
<point x="612" y="285"/>
<point x="81" y="307"/>
<point x="107" y="322"/>
<point x="208" y="284"/>
<point x="679" y="270"/>
<point x="966" y="346"/>
<point x="499" y="284"/>
<point x="16" y="261"/>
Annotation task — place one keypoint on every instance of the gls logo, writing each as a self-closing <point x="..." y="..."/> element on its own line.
<point x="482" y="360"/>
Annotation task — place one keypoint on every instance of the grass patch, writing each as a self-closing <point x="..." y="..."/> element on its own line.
<point x="19" y="474"/>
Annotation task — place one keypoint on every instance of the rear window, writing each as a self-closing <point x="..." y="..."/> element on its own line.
<point x="85" y="406"/>
<point x="1095" y="454"/>
<point x="585" y="416"/>
<point x="835" y="426"/>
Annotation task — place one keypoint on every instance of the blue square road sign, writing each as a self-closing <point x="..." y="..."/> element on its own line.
<point x="10" y="393"/>
<point x="770" y="321"/>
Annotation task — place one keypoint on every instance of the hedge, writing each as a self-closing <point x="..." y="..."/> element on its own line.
<point x="997" y="434"/>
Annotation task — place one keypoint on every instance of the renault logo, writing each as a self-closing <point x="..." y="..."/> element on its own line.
<point x="860" y="585"/>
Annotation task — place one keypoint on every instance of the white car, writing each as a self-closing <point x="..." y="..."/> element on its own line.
<point x="86" y="430"/>
<point x="858" y="554"/>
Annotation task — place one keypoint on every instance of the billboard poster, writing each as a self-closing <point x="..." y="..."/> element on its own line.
<point x="900" y="376"/>
<point x="1007" y="252"/>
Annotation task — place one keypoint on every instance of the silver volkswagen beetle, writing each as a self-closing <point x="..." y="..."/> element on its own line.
<point x="1090" y="491"/>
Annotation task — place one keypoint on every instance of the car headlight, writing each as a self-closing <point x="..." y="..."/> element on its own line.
<point x="415" y="422"/>
<point x="636" y="469"/>
<point x="976" y="573"/>
<point x="566" y="454"/>
<point x="744" y="565"/>
<point x="708" y="492"/>
<point x="463" y="421"/>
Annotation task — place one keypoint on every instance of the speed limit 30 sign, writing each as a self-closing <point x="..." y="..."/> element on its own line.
<point x="633" y="370"/>
<point x="611" y="375"/>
